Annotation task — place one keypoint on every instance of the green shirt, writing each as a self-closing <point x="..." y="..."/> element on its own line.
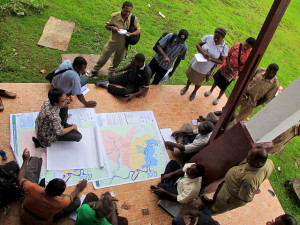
<point x="86" y="215"/>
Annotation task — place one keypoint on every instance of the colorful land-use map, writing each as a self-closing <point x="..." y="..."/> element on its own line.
<point x="134" y="149"/>
<point x="133" y="145"/>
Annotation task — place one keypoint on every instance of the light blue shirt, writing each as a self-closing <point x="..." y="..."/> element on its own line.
<point x="68" y="81"/>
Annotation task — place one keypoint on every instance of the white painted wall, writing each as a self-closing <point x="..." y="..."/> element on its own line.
<point x="277" y="116"/>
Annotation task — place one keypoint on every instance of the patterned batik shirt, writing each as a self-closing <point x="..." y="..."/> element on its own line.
<point x="48" y="124"/>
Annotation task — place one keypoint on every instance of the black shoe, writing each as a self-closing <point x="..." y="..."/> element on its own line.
<point x="218" y="113"/>
<point x="206" y="201"/>
<point x="37" y="143"/>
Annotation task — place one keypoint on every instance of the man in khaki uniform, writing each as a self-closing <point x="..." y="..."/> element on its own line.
<point x="116" y="42"/>
<point x="261" y="89"/>
<point x="283" y="139"/>
<point x="242" y="182"/>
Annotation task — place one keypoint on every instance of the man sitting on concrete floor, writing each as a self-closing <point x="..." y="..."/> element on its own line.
<point x="169" y="48"/>
<point x="45" y="205"/>
<point x="180" y="184"/>
<point x="9" y="191"/>
<point x="71" y="81"/>
<point x="6" y="94"/>
<point x="284" y="219"/>
<point x="95" y="211"/>
<point x="241" y="183"/>
<point x="51" y="123"/>
<point x="135" y="81"/>
<point x="190" y="141"/>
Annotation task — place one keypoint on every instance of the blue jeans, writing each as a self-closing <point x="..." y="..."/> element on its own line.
<point x="83" y="81"/>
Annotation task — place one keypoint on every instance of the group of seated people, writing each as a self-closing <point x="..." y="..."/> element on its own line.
<point x="43" y="205"/>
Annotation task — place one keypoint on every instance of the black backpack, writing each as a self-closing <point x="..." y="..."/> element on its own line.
<point x="51" y="75"/>
<point x="9" y="192"/>
<point x="133" y="39"/>
<point x="162" y="36"/>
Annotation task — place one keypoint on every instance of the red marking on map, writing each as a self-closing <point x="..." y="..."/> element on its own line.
<point x="116" y="145"/>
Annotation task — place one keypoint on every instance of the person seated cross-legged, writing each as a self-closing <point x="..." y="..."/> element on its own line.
<point x="180" y="184"/>
<point x="51" y="123"/>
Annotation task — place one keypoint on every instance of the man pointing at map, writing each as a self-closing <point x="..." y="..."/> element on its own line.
<point x="135" y="81"/>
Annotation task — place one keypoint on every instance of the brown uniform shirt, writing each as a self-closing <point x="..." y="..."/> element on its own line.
<point x="241" y="181"/>
<point x="117" y="20"/>
<point x="283" y="139"/>
<point x="260" y="87"/>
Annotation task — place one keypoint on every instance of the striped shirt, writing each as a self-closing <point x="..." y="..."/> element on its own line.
<point x="173" y="51"/>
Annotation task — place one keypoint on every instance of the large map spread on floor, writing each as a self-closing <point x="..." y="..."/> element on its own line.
<point x="130" y="147"/>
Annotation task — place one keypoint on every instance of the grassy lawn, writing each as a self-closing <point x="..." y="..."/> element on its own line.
<point x="21" y="58"/>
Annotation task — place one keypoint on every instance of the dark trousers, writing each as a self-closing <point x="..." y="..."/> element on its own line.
<point x="171" y="185"/>
<point x="157" y="70"/>
<point x="91" y="197"/>
<point x="32" y="174"/>
<point x="129" y="88"/>
<point x="73" y="135"/>
<point x="188" y="138"/>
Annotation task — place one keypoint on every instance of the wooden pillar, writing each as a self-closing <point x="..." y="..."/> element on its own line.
<point x="264" y="38"/>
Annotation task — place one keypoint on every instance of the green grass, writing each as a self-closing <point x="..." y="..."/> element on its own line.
<point x="21" y="58"/>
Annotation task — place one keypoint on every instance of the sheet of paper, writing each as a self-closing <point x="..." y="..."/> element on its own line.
<point x="125" y="118"/>
<point x="81" y="115"/>
<point x="84" y="154"/>
<point x="166" y="133"/>
<point x="166" y="76"/>
<point x="73" y="215"/>
<point x="84" y="89"/>
<point x="200" y="58"/>
<point x="194" y="122"/>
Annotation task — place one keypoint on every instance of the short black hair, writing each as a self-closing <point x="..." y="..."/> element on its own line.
<point x="140" y="57"/>
<point x="9" y="170"/>
<point x="274" y="67"/>
<point x="55" y="187"/>
<point x="54" y="94"/>
<point x="261" y="155"/>
<point x="200" y="169"/>
<point x="251" y="41"/>
<point x="79" y="61"/>
<point x="288" y="219"/>
<point x="128" y="4"/>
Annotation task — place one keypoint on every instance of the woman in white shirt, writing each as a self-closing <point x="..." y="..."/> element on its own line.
<point x="214" y="50"/>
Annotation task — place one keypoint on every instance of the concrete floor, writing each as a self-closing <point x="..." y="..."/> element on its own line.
<point x="171" y="110"/>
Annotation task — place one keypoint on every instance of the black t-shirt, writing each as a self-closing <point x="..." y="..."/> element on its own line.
<point x="138" y="77"/>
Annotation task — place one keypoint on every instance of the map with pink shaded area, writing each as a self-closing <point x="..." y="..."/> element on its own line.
<point x="115" y="144"/>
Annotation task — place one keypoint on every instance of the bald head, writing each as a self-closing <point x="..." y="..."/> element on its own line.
<point x="257" y="157"/>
